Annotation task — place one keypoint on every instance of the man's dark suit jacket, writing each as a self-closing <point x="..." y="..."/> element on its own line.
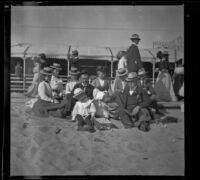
<point x="141" y="98"/>
<point x="134" y="62"/>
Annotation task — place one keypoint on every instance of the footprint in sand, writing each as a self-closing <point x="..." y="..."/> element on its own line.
<point x="136" y="147"/>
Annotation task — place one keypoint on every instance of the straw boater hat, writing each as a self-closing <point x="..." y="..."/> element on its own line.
<point x="56" y="66"/>
<point x="74" y="71"/>
<point x="142" y="72"/>
<point x="135" y="36"/>
<point x="121" y="72"/>
<point x="131" y="76"/>
<point x="79" y="94"/>
<point x="46" y="71"/>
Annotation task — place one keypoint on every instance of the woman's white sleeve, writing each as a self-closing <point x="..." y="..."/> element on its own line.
<point x="42" y="94"/>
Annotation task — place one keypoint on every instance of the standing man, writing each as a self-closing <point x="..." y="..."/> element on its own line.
<point x="134" y="62"/>
<point x="18" y="70"/>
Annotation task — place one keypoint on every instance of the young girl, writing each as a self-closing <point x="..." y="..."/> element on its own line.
<point x="84" y="111"/>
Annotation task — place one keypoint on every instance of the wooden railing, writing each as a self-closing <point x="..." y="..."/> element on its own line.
<point x="16" y="83"/>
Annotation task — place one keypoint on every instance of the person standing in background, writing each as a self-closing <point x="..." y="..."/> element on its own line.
<point x="122" y="58"/>
<point x="18" y="70"/>
<point x="33" y="88"/>
<point x="134" y="62"/>
<point x="74" y="60"/>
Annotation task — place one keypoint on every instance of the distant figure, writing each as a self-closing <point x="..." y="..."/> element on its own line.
<point x="74" y="60"/>
<point x="43" y="60"/>
<point x="134" y="62"/>
<point x="122" y="58"/>
<point x="163" y="86"/>
<point x="33" y="89"/>
<point x="18" y="70"/>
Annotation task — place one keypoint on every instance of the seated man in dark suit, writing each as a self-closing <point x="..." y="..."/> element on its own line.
<point x="133" y="105"/>
<point x="146" y="85"/>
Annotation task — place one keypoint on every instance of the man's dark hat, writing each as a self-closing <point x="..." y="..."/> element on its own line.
<point x="74" y="53"/>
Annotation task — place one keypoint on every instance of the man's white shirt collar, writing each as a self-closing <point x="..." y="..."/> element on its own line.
<point x="134" y="43"/>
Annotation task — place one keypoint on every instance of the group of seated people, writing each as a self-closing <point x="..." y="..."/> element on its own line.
<point x="130" y="99"/>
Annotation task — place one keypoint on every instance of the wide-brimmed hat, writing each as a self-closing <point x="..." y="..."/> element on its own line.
<point x="131" y="76"/>
<point x="56" y="66"/>
<point x="46" y="71"/>
<point x="121" y="72"/>
<point x="79" y="93"/>
<point x="135" y="36"/>
<point x="74" y="53"/>
<point x="142" y="72"/>
<point x="74" y="71"/>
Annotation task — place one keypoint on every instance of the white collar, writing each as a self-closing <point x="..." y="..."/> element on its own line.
<point x="134" y="43"/>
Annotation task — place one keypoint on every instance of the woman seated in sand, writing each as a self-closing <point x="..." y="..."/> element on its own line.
<point x="83" y="111"/>
<point x="46" y="104"/>
<point x="74" y="73"/>
<point x="101" y="82"/>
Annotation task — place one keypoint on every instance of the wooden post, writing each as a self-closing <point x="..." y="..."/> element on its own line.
<point x="24" y="82"/>
<point x="68" y="62"/>
<point x="111" y="75"/>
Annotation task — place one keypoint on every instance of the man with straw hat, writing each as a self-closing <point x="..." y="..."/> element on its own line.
<point x="133" y="104"/>
<point x="120" y="83"/>
<point x="134" y="62"/>
<point x="56" y="83"/>
<point x="74" y="73"/>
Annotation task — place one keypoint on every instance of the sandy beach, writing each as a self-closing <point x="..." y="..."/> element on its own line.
<point x="52" y="146"/>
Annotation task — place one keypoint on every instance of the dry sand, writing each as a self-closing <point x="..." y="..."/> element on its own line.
<point x="52" y="146"/>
